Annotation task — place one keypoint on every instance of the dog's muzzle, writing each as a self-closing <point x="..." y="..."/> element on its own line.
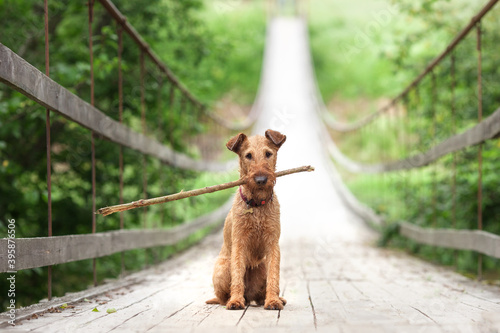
<point x="260" y="180"/>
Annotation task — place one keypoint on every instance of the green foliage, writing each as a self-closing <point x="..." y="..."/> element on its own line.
<point x="443" y="194"/>
<point x="199" y="44"/>
<point x="234" y="57"/>
<point x="351" y="43"/>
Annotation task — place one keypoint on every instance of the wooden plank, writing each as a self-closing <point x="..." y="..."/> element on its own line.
<point x="190" y="316"/>
<point x="327" y="309"/>
<point x="18" y="74"/>
<point x="222" y="318"/>
<point x="475" y="240"/>
<point x="70" y="298"/>
<point x="372" y="306"/>
<point x="296" y="261"/>
<point x="257" y="317"/>
<point x="144" y="311"/>
<point x="156" y="298"/>
<point x="167" y="285"/>
<point x="346" y="292"/>
<point x="85" y="319"/>
<point x="298" y="309"/>
<point x="487" y="129"/>
<point x="45" y="251"/>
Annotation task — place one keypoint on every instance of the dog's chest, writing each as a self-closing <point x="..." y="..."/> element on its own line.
<point x="259" y="230"/>
<point x="257" y="247"/>
<point x="257" y="223"/>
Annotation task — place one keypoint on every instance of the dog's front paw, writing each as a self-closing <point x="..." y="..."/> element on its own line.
<point x="274" y="304"/>
<point x="235" y="304"/>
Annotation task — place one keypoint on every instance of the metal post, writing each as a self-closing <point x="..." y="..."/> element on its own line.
<point x="91" y="14"/>
<point x="454" y="163"/>
<point x="183" y="110"/>
<point x="480" y="147"/>
<point x="48" y="146"/>
<point x="161" y="137"/>
<point x="120" y="115"/>
<point x="183" y="118"/>
<point x="159" y="105"/>
<point x="404" y="139"/>
<point x="418" y="147"/>
<point x="434" y="173"/>
<point x="454" y="129"/>
<point x="143" y="122"/>
<point x="171" y="137"/>
<point x="120" y="112"/>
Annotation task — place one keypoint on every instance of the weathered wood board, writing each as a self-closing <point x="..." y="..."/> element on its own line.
<point x="28" y="80"/>
<point x="45" y="251"/>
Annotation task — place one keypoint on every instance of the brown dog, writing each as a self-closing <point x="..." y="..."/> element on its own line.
<point x="248" y="266"/>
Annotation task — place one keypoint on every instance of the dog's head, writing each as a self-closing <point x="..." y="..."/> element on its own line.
<point x="258" y="155"/>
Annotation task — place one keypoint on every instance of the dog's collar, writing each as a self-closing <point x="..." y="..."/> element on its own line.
<point x="252" y="202"/>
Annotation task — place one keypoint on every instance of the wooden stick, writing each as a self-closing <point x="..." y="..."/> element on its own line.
<point x="181" y="195"/>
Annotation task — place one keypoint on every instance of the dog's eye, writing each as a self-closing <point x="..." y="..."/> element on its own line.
<point x="268" y="154"/>
<point x="248" y="156"/>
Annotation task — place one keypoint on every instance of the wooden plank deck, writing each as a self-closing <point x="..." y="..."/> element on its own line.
<point x="333" y="277"/>
<point x="343" y="286"/>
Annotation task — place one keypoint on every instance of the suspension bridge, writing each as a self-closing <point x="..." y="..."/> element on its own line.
<point x="333" y="276"/>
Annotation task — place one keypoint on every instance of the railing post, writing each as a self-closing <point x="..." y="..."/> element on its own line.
<point x="183" y="110"/>
<point x="48" y="146"/>
<point x="419" y="146"/>
<point x="161" y="138"/>
<point x="404" y="140"/>
<point x="434" y="173"/>
<point x="92" y="102"/>
<point x="143" y="123"/>
<point x="120" y="115"/>
<point x="171" y="127"/>
<point x="454" y="163"/>
<point x="480" y="147"/>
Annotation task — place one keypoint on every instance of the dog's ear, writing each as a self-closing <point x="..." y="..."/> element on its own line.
<point x="234" y="144"/>
<point x="276" y="137"/>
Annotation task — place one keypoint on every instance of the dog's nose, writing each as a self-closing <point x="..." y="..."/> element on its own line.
<point x="261" y="180"/>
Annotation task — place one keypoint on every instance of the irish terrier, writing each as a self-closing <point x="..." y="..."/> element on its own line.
<point x="248" y="266"/>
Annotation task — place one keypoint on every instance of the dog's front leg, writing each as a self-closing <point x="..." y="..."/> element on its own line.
<point x="237" y="300"/>
<point x="273" y="301"/>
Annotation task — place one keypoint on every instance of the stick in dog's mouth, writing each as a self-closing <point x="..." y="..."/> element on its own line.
<point x="182" y="195"/>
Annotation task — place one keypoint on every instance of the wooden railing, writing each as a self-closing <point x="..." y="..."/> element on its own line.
<point x="20" y="75"/>
<point x="423" y="151"/>
<point x="25" y="78"/>
<point x="45" y="251"/>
